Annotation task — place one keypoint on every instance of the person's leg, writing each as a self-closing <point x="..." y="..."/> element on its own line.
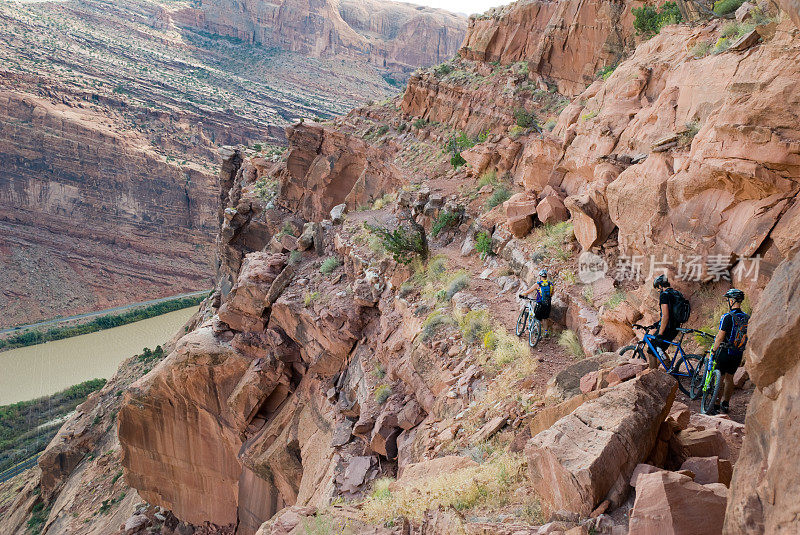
<point x="727" y="391"/>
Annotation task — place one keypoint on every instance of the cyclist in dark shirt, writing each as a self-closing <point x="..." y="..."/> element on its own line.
<point x="729" y="358"/>
<point x="667" y="331"/>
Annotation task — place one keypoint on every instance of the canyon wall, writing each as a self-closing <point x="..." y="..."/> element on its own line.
<point x="389" y="35"/>
<point x="93" y="217"/>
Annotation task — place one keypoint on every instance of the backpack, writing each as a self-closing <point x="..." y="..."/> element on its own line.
<point x="738" y="337"/>
<point x="546" y="291"/>
<point x="680" y="310"/>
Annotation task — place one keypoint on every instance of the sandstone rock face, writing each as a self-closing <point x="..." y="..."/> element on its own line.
<point x="327" y="167"/>
<point x="598" y="33"/>
<point x="765" y="477"/>
<point x="617" y="430"/>
<point x="668" y="502"/>
<point x="389" y="35"/>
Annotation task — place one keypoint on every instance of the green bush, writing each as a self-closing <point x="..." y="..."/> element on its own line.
<point x="403" y="244"/>
<point x="382" y="393"/>
<point x="382" y="130"/>
<point x="329" y="265"/>
<point x="444" y="220"/>
<point x="433" y="323"/>
<point x="483" y="244"/>
<point x="475" y="325"/>
<point x="606" y="71"/>
<point x="648" y="20"/>
<point x="524" y="118"/>
<point x="419" y="123"/>
<point x="443" y="70"/>
<point x="499" y="196"/>
<point x="726" y="7"/>
<point x="456" y="284"/>
<point x="457" y="161"/>
<point x="700" y="49"/>
<point x="569" y="341"/>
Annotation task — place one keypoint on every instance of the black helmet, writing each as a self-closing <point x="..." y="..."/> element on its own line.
<point x="660" y="281"/>
<point x="736" y="295"/>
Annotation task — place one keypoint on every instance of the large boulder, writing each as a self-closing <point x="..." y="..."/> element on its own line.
<point x="766" y="479"/>
<point x="244" y="308"/>
<point x="671" y="503"/>
<point x="551" y="210"/>
<point x="591" y="223"/>
<point x="589" y="455"/>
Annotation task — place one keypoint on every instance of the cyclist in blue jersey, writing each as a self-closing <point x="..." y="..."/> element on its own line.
<point x="733" y="334"/>
<point x="544" y="294"/>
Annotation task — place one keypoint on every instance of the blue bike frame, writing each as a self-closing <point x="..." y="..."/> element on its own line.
<point x="679" y="350"/>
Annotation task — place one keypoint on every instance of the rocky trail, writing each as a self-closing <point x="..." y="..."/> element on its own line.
<point x="340" y="381"/>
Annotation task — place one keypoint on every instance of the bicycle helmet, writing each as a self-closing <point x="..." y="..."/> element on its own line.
<point x="543" y="273"/>
<point x="661" y="281"/>
<point x="736" y="295"/>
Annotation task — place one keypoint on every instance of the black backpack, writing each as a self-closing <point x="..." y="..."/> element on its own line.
<point x="681" y="309"/>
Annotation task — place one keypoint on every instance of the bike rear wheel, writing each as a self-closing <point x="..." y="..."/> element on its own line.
<point x="535" y="333"/>
<point x="710" y="393"/>
<point x="696" y="384"/>
<point x="687" y="369"/>
<point x="522" y="321"/>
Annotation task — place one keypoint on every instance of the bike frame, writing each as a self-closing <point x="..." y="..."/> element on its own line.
<point x="648" y="340"/>
<point x="712" y="365"/>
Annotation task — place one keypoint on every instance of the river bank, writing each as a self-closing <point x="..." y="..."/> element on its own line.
<point x="28" y="335"/>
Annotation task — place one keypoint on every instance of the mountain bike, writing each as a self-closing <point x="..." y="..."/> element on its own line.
<point x="527" y="320"/>
<point x="681" y="366"/>
<point x="707" y="381"/>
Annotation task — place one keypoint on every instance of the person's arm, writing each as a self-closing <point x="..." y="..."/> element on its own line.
<point x="528" y="292"/>
<point x="725" y="327"/>
<point x="662" y="327"/>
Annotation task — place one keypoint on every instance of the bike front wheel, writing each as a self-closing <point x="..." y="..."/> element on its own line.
<point x="688" y="368"/>
<point x="696" y="383"/>
<point x="535" y="333"/>
<point x="634" y="351"/>
<point x="522" y="321"/>
<point x="710" y="393"/>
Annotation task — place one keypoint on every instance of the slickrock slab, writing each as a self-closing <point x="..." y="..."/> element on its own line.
<point x="589" y="455"/>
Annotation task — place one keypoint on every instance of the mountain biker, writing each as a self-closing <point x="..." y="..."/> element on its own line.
<point x="544" y="294"/>
<point x="732" y="331"/>
<point x="667" y="328"/>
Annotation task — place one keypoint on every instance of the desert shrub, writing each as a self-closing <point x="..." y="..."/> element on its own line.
<point x="507" y="348"/>
<point x="457" y="283"/>
<point x="489" y="178"/>
<point x="550" y="125"/>
<point x="700" y="49"/>
<point x="382" y="130"/>
<point x="319" y="524"/>
<point x="483" y="244"/>
<point x="329" y="265"/>
<point x="443" y="70"/>
<point x="648" y="20"/>
<point x="444" y="220"/>
<point x="379" y="370"/>
<point x="457" y="161"/>
<point x="382" y="393"/>
<point x="380" y="488"/>
<point x="615" y="300"/>
<point x="266" y="190"/>
<point x="39" y="515"/>
<point x="474" y="325"/>
<point x="419" y="123"/>
<point x="588" y="294"/>
<point x="722" y="44"/>
<point x="606" y="71"/>
<point x="489" y="484"/>
<point x="685" y="138"/>
<point x="516" y="131"/>
<point x="404" y="244"/>
<point x="499" y="196"/>
<point x="588" y="116"/>
<point x="295" y="257"/>
<point x="569" y="341"/>
<point x="726" y="7"/>
<point x="524" y="118"/>
<point x="309" y="298"/>
<point x="435" y="321"/>
<point x="388" y="198"/>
